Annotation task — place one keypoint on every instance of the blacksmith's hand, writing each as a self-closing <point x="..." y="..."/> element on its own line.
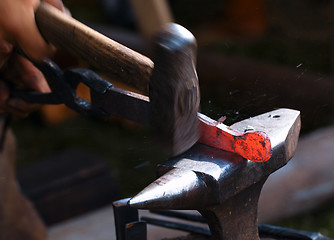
<point x="18" y="29"/>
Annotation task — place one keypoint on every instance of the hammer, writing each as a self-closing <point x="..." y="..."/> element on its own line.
<point x="172" y="85"/>
<point x="171" y="82"/>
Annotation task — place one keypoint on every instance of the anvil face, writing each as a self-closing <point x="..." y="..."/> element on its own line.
<point x="282" y="126"/>
<point x="205" y="176"/>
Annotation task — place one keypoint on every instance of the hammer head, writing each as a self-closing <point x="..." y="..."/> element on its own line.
<point x="174" y="90"/>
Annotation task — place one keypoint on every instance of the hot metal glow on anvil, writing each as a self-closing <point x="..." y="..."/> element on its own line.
<point x="223" y="186"/>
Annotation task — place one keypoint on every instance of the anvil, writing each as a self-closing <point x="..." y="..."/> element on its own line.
<point x="223" y="186"/>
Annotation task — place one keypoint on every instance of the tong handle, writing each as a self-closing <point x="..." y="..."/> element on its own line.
<point x="98" y="50"/>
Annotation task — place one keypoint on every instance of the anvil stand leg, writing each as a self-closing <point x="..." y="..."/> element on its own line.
<point x="236" y="218"/>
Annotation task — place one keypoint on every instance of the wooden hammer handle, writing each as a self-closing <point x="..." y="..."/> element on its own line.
<point x="98" y="50"/>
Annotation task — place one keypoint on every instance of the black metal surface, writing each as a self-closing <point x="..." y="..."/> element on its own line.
<point x="125" y="104"/>
<point x="180" y="215"/>
<point x="133" y="230"/>
<point x="265" y="230"/>
<point x="178" y="226"/>
<point x="123" y="215"/>
<point x="136" y="230"/>
<point x="64" y="86"/>
<point x="286" y="233"/>
<point x="106" y="100"/>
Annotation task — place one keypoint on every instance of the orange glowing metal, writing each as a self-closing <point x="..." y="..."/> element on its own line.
<point x="252" y="145"/>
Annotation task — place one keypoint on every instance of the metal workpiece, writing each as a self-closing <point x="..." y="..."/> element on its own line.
<point x="223" y="186"/>
<point x="250" y="144"/>
<point x="282" y="127"/>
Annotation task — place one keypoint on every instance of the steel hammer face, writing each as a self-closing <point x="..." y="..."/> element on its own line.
<point x="174" y="89"/>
